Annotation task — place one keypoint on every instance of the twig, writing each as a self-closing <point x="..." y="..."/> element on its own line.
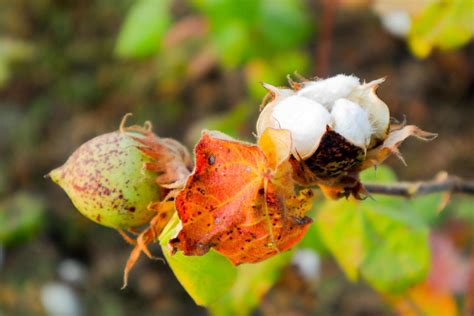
<point x="324" y="43"/>
<point x="442" y="183"/>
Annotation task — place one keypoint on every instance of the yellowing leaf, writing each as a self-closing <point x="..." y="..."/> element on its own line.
<point x="342" y="228"/>
<point x="445" y="24"/>
<point x="424" y="300"/>
<point x="387" y="248"/>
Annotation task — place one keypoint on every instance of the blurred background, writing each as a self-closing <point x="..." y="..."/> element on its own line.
<point x="70" y="70"/>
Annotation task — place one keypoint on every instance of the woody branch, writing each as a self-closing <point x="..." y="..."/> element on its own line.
<point x="442" y="183"/>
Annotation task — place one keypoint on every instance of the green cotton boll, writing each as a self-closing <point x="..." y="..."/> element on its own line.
<point x="106" y="181"/>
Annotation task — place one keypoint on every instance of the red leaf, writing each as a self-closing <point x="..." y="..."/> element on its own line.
<point x="239" y="203"/>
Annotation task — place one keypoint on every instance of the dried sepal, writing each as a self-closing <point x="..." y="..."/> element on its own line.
<point x="163" y="211"/>
<point x="392" y="142"/>
<point x="173" y="164"/>
<point x="170" y="159"/>
<point x="274" y="95"/>
<point x="348" y="184"/>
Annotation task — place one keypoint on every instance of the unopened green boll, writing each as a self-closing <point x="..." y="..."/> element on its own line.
<point x="106" y="181"/>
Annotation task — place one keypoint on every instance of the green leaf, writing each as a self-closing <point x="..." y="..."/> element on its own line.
<point x="378" y="175"/>
<point x="212" y="281"/>
<point x="232" y="43"/>
<point x="398" y="250"/>
<point x="242" y="30"/>
<point x="12" y="51"/>
<point x="231" y="23"/>
<point x="341" y="225"/>
<point x="446" y="24"/>
<point x="273" y="70"/>
<point x="221" y="12"/>
<point x="231" y="123"/>
<point x="284" y="23"/>
<point x="253" y="281"/>
<point x="205" y="278"/>
<point x="462" y="208"/>
<point x="143" y="29"/>
<point x="376" y="241"/>
<point x="312" y="240"/>
<point x="426" y="206"/>
<point x="21" y="217"/>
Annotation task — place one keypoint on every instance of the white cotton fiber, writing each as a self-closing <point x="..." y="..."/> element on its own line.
<point x="352" y="122"/>
<point x="305" y="119"/>
<point x="327" y="91"/>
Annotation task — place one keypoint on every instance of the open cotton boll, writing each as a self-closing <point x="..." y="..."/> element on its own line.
<point x="326" y="91"/>
<point x="305" y="119"/>
<point x="379" y="114"/>
<point x="352" y="122"/>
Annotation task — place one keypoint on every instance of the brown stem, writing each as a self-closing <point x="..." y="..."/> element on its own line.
<point x="324" y="43"/>
<point x="442" y="183"/>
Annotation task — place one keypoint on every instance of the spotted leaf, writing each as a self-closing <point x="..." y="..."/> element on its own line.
<point x="240" y="202"/>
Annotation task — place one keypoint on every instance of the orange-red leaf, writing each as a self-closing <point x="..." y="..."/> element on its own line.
<point x="423" y="299"/>
<point x="238" y="203"/>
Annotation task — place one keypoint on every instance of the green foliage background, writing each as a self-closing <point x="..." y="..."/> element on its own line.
<point x="69" y="71"/>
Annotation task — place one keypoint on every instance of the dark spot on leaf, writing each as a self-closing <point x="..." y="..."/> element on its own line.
<point x="211" y="159"/>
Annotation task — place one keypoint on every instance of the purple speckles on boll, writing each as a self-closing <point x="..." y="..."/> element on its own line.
<point x="106" y="181"/>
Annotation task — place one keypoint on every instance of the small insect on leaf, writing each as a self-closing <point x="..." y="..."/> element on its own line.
<point x="241" y="200"/>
